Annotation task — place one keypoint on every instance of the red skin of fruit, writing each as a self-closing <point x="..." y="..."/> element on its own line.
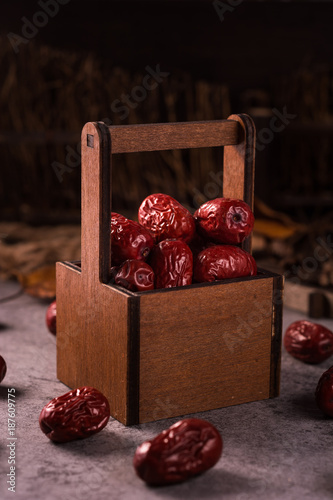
<point x="129" y="240"/>
<point x="186" y="449"/>
<point x="75" y="415"/>
<point x="135" y="275"/>
<point x="309" y="342"/>
<point x="172" y="263"/>
<point x="220" y="262"/>
<point x="3" y="368"/>
<point x="324" y="392"/>
<point x="51" y="317"/>
<point x="224" y="220"/>
<point x="166" y="218"/>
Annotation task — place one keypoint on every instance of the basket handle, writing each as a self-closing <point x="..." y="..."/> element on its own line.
<point x="100" y="141"/>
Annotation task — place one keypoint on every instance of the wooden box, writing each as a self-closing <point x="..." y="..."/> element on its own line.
<point x="176" y="351"/>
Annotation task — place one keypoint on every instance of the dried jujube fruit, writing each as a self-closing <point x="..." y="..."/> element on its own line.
<point x="224" y="220"/>
<point x="172" y="263"/>
<point x="129" y="240"/>
<point x="166" y="218"/>
<point x="186" y="449"/>
<point x="75" y="415"/>
<point x="221" y="262"/>
<point x="134" y="275"/>
<point x="309" y="342"/>
<point x="3" y="368"/>
<point x="51" y="317"/>
<point x="324" y="392"/>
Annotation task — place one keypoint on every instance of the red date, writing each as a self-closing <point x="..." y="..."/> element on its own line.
<point x="3" y="368"/>
<point x="75" y="415"/>
<point x="224" y="220"/>
<point x="135" y="275"/>
<point x="129" y="240"/>
<point x="172" y="262"/>
<point x="223" y="261"/>
<point x="166" y="218"/>
<point x="186" y="449"/>
<point x="324" y="392"/>
<point x="309" y="342"/>
<point x="51" y="317"/>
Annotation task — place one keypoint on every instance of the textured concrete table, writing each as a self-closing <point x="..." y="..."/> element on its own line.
<point x="276" y="449"/>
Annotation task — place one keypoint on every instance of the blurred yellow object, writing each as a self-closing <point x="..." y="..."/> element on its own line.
<point x="273" y="229"/>
<point x="39" y="283"/>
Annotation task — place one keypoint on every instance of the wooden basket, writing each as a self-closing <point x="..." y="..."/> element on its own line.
<point x="175" y="351"/>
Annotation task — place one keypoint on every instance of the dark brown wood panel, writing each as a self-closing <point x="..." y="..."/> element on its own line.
<point x="161" y="136"/>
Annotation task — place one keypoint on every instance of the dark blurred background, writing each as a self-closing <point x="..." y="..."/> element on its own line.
<point x="79" y="61"/>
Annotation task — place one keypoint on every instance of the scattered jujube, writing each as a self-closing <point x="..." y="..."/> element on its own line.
<point x="75" y="415"/>
<point x="309" y="342"/>
<point x="188" y="448"/>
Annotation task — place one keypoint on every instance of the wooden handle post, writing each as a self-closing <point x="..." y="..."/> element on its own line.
<point x="95" y="202"/>
<point x="99" y="142"/>
<point x="238" y="166"/>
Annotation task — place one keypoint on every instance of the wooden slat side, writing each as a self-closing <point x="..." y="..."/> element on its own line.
<point x="91" y="216"/>
<point x="68" y="333"/>
<point x="92" y="338"/>
<point x="183" y="135"/>
<point x="277" y="308"/>
<point x="212" y="349"/>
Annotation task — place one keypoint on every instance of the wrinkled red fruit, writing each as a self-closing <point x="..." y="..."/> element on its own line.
<point x="166" y="218"/>
<point x="223" y="261"/>
<point x="172" y="263"/>
<point x="75" y="415"/>
<point x="129" y="240"/>
<point x="186" y="449"/>
<point x="3" y="368"/>
<point x="135" y="275"/>
<point x="224" y="220"/>
<point x="308" y="341"/>
<point x="324" y="392"/>
<point x="51" y="317"/>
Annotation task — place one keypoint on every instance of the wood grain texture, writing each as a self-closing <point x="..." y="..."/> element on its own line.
<point x="93" y="345"/>
<point x="238" y="167"/>
<point x="212" y="349"/>
<point x="95" y="203"/>
<point x="162" y="136"/>
<point x="92" y="339"/>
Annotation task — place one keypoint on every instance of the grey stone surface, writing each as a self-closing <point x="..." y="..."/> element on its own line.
<point x="275" y="449"/>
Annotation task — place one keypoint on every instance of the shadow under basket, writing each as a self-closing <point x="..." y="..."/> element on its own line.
<point x="169" y="352"/>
